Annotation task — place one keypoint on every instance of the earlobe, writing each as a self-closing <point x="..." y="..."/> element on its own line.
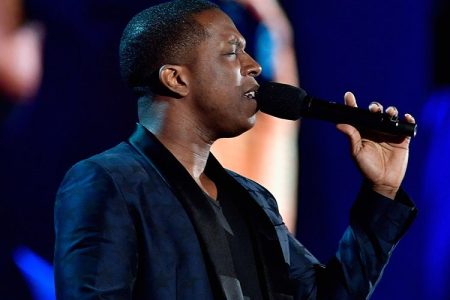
<point x="174" y="78"/>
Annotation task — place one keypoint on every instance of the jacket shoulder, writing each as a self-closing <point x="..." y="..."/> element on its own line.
<point x="122" y="164"/>
<point x="121" y="158"/>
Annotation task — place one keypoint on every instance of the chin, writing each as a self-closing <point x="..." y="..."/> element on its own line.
<point x="234" y="131"/>
<point x="252" y="120"/>
<point x="242" y="130"/>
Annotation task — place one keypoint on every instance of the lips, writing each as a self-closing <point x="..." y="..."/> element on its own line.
<point x="251" y="93"/>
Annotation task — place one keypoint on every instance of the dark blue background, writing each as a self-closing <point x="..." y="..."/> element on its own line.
<point x="380" y="50"/>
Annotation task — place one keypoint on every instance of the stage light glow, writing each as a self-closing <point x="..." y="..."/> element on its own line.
<point x="37" y="272"/>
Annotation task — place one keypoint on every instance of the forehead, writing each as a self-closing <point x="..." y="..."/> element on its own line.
<point x="218" y="25"/>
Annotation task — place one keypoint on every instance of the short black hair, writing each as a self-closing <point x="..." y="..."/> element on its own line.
<point x="161" y="34"/>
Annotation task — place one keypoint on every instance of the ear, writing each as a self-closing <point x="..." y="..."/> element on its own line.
<point x="175" y="79"/>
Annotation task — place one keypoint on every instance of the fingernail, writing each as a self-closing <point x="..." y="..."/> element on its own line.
<point x="374" y="105"/>
<point x="391" y="108"/>
<point x="411" y="117"/>
<point x="393" y="112"/>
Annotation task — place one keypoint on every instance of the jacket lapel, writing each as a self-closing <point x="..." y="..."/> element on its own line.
<point x="269" y="250"/>
<point x="210" y="233"/>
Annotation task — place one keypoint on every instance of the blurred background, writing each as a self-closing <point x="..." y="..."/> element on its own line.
<point x="62" y="100"/>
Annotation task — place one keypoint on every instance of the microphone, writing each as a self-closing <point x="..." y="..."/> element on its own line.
<point x="289" y="102"/>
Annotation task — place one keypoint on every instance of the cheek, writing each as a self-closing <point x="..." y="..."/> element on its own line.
<point x="238" y="77"/>
<point x="228" y="73"/>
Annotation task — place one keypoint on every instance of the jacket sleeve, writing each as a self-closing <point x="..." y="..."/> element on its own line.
<point x="95" y="250"/>
<point x="376" y="226"/>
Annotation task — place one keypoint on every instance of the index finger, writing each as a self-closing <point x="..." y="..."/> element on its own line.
<point x="350" y="100"/>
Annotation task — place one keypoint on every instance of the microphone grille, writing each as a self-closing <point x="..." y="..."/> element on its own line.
<point x="280" y="100"/>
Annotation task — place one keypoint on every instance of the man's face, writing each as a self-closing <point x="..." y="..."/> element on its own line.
<point x="223" y="78"/>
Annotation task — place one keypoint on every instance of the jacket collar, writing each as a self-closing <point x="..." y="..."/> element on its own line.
<point x="210" y="233"/>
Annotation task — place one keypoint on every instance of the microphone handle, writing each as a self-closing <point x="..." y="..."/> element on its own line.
<point x="339" y="113"/>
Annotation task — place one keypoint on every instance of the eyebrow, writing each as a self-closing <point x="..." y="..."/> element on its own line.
<point x="237" y="42"/>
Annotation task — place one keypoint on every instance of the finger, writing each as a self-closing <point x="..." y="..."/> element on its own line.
<point x="350" y="100"/>
<point x="353" y="136"/>
<point x="410" y="119"/>
<point x="392" y="113"/>
<point x="375" y="107"/>
<point x="349" y="130"/>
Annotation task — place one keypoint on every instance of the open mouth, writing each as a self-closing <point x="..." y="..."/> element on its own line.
<point x="250" y="94"/>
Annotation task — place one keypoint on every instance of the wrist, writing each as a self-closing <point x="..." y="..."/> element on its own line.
<point x="387" y="191"/>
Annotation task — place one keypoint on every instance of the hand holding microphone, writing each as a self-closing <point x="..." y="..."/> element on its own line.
<point x="379" y="141"/>
<point x="289" y="102"/>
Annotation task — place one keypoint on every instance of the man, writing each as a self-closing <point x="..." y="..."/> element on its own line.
<point x="157" y="217"/>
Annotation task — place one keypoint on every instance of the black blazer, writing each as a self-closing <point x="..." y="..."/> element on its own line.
<point x="132" y="224"/>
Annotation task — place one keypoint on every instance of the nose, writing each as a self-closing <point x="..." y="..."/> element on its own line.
<point x="250" y="67"/>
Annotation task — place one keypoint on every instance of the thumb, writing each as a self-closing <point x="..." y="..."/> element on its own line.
<point x="352" y="134"/>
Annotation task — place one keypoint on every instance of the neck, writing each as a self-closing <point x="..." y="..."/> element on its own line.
<point x="183" y="138"/>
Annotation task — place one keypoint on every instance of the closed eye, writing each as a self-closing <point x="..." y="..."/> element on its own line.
<point x="235" y="52"/>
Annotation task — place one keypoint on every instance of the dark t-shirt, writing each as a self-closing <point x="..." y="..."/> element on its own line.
<point x="241" y="240"/>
